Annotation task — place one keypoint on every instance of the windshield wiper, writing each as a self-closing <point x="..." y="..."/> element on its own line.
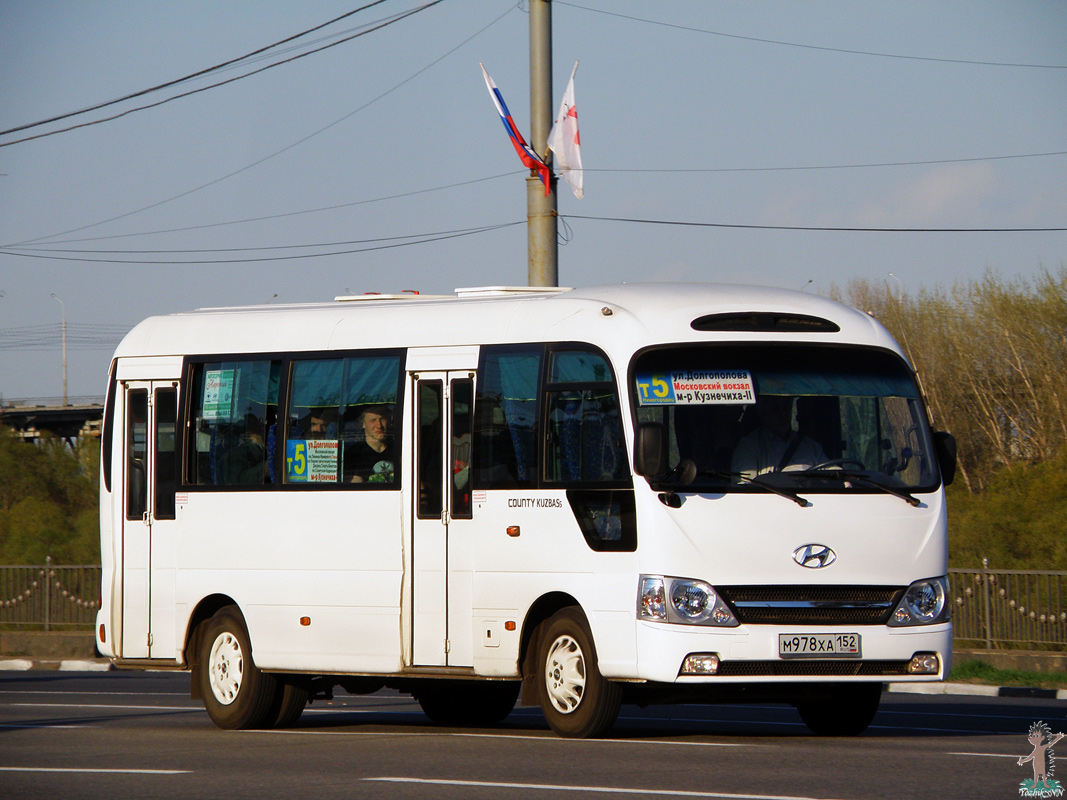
<point x="866" y="480"/>
<point x="770" y="487"/>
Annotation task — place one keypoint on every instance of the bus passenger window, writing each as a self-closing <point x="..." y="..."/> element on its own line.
<point x="369" y="431"/>
<point x="584" y="440"/>
<point x="312" y="444"/>
<point x="428" y="416"/>
<point x="462" y="401"/>
<point x="340" y="426"/>
<point x="504" y="443"/>
<point x="234" y="410"/>
<point x="165" y="478"/>
<point x="136" y="453"/>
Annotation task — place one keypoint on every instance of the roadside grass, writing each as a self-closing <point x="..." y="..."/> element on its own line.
<point x="974" y="671"/>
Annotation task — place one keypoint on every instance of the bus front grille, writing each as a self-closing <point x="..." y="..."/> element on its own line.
<point x="812" y="605"/>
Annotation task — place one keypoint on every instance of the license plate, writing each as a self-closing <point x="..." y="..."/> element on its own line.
<point x="819" y="645"/>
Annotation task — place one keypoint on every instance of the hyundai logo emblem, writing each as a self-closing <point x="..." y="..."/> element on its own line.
<point x="814" y="556"/>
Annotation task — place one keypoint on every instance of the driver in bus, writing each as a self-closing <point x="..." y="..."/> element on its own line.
<point x="371" y="460"/>
<point x="774" y="446"/>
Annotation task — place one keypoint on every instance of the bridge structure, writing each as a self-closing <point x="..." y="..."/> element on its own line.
<point x="30" y="418"/>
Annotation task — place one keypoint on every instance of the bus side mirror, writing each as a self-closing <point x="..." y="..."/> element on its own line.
<point x="945" y="447"/>
<point x="650" y="450"/>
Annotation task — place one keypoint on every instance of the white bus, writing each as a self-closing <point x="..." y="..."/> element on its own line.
<point x="641" y="493"/>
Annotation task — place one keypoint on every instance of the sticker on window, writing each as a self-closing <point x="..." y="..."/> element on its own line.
<point x="311" y="460"/>
<point x="695" y="388"/>
<point x="218" y="393"/>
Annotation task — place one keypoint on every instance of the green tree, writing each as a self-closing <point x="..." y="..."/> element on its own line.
<point x="48" y="500"/>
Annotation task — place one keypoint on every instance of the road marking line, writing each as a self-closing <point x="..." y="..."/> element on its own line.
<point x="106" y="705"/>
<point x="601" y="789"/>
<point x="916" y="728"/>
<point x="1000" y="755"/>
<point x="93" y="693"/>
<point x="546" y="738"/>
<point x="104" y="771"/>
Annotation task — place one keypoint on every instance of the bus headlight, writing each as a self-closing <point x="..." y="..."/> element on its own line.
<point x="923" y="604"/>
<point x="682" y="600"/>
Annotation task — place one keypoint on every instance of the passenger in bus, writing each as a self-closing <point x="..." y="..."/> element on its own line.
<point x="371" y="460"/>
<point x="774" y="446"/>
<point x="246" y="463"/>
<point x="493" y="461"/>
<point x="322" y="423"/>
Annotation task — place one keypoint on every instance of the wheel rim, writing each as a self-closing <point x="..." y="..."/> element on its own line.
<point x="565" y="674"/>
<point x="226" y="668"/>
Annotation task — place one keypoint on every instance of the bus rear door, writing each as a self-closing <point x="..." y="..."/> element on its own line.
<point x="441" y="587"/>
<point x="148" y="520"/>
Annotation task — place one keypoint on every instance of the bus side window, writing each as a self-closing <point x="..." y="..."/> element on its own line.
<point x="136" y="453"/>
<point x="164" y="481"/>
<point x="429" y="420"/>
<point x="506" y="429"/>
<point x="340" y="421"/>
<point x="232" y="405"/>
<point x="462" y="415"/>
<point x="584" y="441"/>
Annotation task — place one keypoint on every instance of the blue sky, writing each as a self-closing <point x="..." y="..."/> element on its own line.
<point x="825" y="114"/>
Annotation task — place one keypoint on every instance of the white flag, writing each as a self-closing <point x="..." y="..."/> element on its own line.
<point x="564" y="142"/>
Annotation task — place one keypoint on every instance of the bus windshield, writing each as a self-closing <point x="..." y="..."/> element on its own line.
<point x="803" y="418"/>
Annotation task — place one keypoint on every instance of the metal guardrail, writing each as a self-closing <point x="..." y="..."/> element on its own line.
<point x="995" y="608"/>
<point x="49" y="596"/>
<point x="991" y="608"/>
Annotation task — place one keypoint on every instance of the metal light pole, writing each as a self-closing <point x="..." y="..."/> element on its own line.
<point x="542" y="245"/>
<point x="63" y="306"/>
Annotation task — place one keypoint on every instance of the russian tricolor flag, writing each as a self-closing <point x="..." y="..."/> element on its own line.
<point x="529" y="158"/>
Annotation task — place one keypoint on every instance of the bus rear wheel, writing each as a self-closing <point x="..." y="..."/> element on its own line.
<point x="236" y="694"/>
<point x="289" y="700"/>
<point x="577" y="701"/>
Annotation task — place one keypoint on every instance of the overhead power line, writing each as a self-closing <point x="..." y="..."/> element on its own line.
<point x="813" y="167"/>
<point x="824" y="228"/>
<point x="385" y="243"/>
<point x="189" y="77"/>
<point x="79" y="336"/>
<point x="364" y="32"/>
<point x="782" y="43"/>
<point x="278" y="152"/>
<point x="282" y="215"/>
<point x="407" y="240"/>
<point x="415" y="192"/>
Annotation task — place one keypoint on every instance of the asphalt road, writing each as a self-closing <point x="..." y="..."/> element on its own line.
<point x="122" y="735"/>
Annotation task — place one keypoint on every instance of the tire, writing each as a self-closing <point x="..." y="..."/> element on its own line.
<point x="236" y="694"/>
<point x="846" y="710"/>
<point x="289" y="700"/>
<point x="480" y="703"/>
<point x="577" y="701"/>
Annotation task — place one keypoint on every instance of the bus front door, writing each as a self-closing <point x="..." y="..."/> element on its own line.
<point x="148" y="544"/>
<point x="441" y="583"/>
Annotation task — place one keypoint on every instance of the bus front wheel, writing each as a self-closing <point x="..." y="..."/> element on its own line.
<point x="577" y="701"/>
<point x="236" y="694"/>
